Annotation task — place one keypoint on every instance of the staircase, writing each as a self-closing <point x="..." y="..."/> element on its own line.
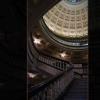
<point x="51" y="88"/>
<point x="68" y="77"/>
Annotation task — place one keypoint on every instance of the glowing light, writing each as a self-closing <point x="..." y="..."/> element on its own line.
<point x="37" y="41"/>
<point x="31" y="75"/>
<point x="63" y="54"/>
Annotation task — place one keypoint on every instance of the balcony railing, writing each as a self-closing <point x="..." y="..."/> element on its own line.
<point x="47" y="59"/>
<point x="52" y="88"/>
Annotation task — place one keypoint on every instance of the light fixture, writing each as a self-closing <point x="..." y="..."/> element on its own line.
<point x="37" y="41"/>
<point x="63" y="54"/>
<point x="31" y="75"/>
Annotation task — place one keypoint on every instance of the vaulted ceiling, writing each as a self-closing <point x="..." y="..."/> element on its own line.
<point x="68" y="18"/>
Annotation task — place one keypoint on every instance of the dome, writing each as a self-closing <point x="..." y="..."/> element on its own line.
<point x="68" y="19"/>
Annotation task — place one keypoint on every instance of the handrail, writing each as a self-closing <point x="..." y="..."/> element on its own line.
<point x="51" y="88"/>
<point x="49" y="60"/>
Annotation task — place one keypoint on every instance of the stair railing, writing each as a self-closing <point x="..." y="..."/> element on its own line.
<point x="52" y="88"/>
<point x="47" y="59"/>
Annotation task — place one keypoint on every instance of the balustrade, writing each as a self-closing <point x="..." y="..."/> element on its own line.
<point x="52" y="89"/>
<point x="49" y="60"/>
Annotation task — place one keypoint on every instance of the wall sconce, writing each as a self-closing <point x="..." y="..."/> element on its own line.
<point x="31" y="75"/>
<point x="63" y="54"/>
<point x="37" y="41"/>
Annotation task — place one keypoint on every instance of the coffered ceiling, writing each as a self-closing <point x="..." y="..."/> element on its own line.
<point x="68" y="18"/>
